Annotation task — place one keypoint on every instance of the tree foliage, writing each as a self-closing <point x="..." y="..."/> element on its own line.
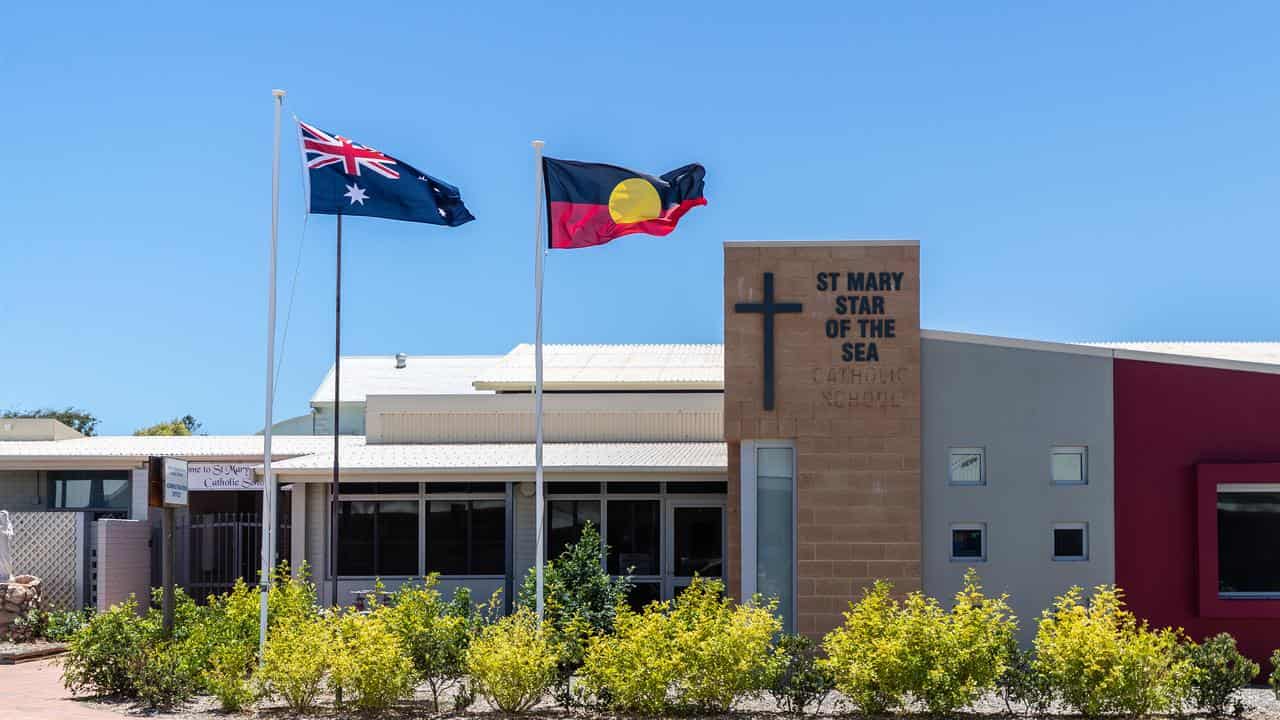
<point x="82" y="421"/>
<point x="185" y="425"/>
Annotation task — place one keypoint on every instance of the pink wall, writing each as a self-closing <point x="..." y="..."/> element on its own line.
<point x="1174" y="423"/>
<point x="124" y="562"/>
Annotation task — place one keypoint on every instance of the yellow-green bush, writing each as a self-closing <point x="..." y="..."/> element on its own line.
<point x="434" y="633"/>
<point x="634" y="669"/>
<point x="888" y="653"/>
<point x="296" y="659"/>
<point x="1099" y="658"/>
<point x="703" y="652"/>
<point x="368" y="663"/>
<point x="512" y="662"/>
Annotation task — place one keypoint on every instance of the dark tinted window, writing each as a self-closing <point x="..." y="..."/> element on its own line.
<point x="634" y="537"/>
<point x="351" y="488"/>
<point x="1068" y="543"/>
<point x="698" y="547"/>
<point x="466" y="487"/>
<point x="635" y="488"/>
<point x="966" y="543"/>
<point x="89" y="490"/>
<point x="573" y="488"/>
<point x="1248" y="542"/>
<point x="378" y="538"/>
<point x="466" y="537"/>
<point x="565" y="520"/>
<point x="704" y="488"/>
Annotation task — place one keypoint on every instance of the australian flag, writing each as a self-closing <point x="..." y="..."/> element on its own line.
<point x="345" y="178"/>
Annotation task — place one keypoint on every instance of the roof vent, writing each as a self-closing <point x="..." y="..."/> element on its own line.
<point x="401" y="360"/>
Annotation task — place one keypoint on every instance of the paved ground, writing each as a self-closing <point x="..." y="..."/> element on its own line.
<point x="34" y="690"/>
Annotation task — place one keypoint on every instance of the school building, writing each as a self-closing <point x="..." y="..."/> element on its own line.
<point x="828" y="442"/>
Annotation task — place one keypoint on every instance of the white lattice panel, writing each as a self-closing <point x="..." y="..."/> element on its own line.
<point x="44" y="545"/>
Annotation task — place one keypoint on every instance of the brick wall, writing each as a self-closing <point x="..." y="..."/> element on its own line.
<point x="855" y="423"/>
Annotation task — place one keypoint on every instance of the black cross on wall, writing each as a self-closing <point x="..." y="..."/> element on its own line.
<point x="768" y="308"/>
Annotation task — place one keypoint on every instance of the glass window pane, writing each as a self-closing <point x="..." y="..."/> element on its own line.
<point x="698" y="547"/>
<point x="773" y="462"/>
<point x="634" y="537"/>
<point x="565" y="520"/>
<point x="115" y="493"/>
<point x="1248" y="542"/>
<point x="488" y="537"/>
<point x="397" y="534"/>
<point x="966" y="543"/>
<point x="634" y="488"/>
<point x="775" y="528"/>
<point x="74" y="494"/>
<point x="966" y="466"/>
<point x="643" y="593"/>
<point x="447" y="537"/>
<point x="572" y="488"/>
<point x="1067" y="465"/>
<point x="699" y="487"/>
<point x="1068" y="543"/>
<point x="356" y="524"/>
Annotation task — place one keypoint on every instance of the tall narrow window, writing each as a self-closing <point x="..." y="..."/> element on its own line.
<point x="966" y="466"/>
<point x="775" y="528"/>
<point x="635" y="539"/>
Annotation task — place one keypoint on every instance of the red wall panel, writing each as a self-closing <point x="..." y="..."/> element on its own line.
<point x="1169" y="419"/>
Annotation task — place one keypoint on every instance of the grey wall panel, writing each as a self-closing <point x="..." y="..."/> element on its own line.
<point x="1016" y="404"/>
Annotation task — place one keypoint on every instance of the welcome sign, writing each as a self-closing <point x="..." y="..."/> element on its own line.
<point x="222" y="476"/>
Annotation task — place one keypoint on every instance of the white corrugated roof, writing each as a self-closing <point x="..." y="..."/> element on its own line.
<point x="598" y="367"/>
<point x="1267" y="353"/>
<point x="494" y="457"/>
<point x="191" y="446"/>
<point x="422" y="375"/>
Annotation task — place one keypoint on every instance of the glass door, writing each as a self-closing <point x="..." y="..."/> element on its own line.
<point x="695" y="543"/>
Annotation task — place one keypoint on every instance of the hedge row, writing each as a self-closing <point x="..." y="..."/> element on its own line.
<point x="701" y="653"/>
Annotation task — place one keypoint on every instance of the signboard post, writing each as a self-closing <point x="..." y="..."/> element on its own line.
<point x="167" y="489"/>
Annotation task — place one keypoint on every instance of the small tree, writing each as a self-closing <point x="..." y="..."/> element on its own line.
<point x="581" y="600"/>
<point x="185" y="425"/>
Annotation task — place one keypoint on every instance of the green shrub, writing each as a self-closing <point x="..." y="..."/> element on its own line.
<point x="581" y="599"/>
<point x="799" y="681"/>
<point x="634" y="669"/>
<point x="227" y="677"/>
<point x="434" y="633"/>
<point x="724" y="647"/>
<point x="1099" y="658"/>
<point x="163" y="674"/>
<point x="60" y="625"/>
<point x="98" y="654"/>
<point x="1218" y="671"/>
<point x="887" y="653"/>
<point x="1022" y="686"/>
<point x="1274" y="678"/>
<point x="296" y="659"/>
<point x="369" y="667"/>
<point x="512" y="662"/>
<point x="28" y="626"/>
<point x="700" y="653"/>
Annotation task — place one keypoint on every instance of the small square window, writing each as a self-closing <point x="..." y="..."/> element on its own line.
<point x="969" y="542"/>
<point x="966" y="466"/>
<point x="1069" y="465"/>
<point x="1071" y="541"/>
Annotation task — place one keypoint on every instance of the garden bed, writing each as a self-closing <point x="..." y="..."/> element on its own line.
<point x="1260" y="704"/>
<point x="13" y="653"/>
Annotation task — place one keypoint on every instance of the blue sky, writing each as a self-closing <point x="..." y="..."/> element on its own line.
<point x="1075" y="171"/>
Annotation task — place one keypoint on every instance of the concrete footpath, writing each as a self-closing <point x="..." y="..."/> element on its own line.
<point x="34" y="690"/>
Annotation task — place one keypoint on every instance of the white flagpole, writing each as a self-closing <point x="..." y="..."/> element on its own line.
<point x="539" y="256"/>
<point x="268" y="480"/>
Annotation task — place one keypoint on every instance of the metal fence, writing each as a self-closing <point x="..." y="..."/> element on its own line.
<point x="224" y="547"/>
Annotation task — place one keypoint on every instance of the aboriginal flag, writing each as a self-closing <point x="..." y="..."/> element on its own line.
<point x="591" y="204"/>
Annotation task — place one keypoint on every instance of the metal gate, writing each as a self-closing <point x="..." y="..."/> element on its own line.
<point x="224" y="547"/>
